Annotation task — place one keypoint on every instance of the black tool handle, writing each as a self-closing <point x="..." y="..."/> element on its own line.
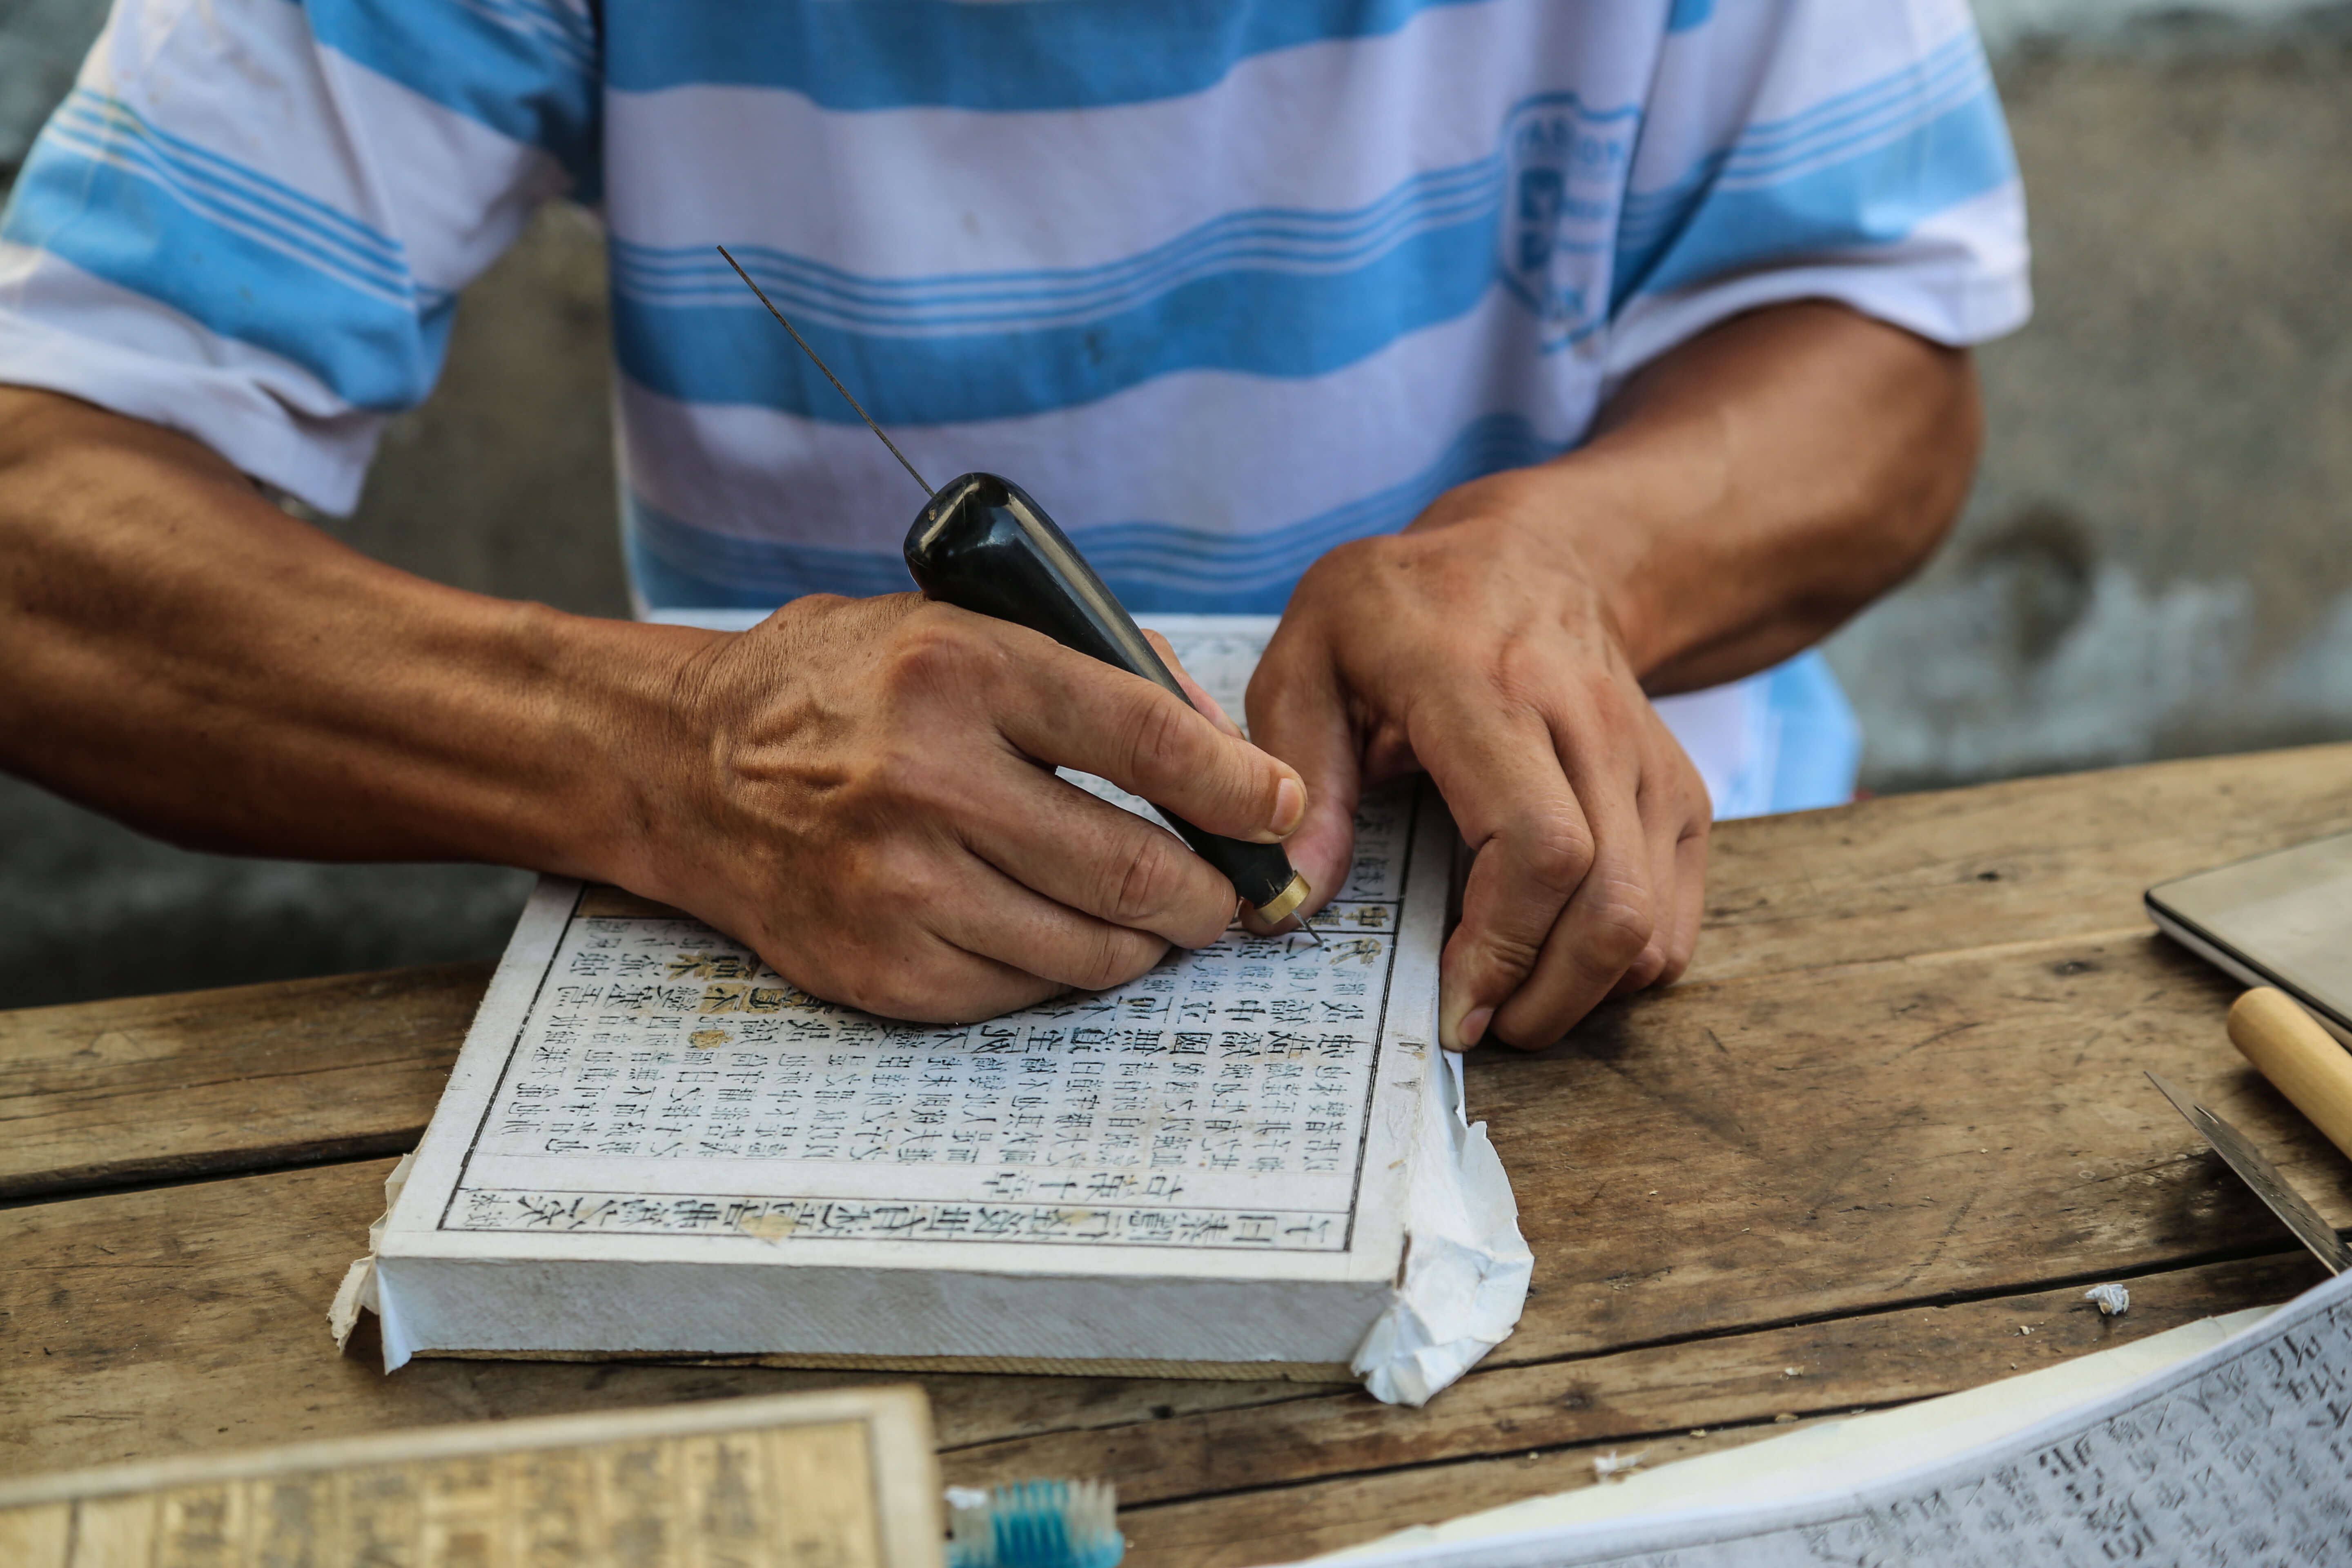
<point x="983" y="545"/>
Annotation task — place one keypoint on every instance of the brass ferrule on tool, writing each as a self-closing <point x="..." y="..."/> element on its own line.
<point x="1284" y="904"/>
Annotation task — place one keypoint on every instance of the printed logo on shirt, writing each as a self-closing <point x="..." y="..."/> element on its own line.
<point x="1566" y="167"/>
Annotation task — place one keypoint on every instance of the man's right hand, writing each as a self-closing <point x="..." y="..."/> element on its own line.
<point x="863" y="790"/>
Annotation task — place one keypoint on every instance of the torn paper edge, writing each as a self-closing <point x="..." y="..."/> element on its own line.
<point x="358" y="1289"/>
<point x="1467" y="1268"/>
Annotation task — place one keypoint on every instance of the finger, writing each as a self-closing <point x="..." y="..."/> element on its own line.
<point x="1669" y="781"/>
<point x="994" y="917"/>
<point x="1067" y="708"/>
<point x="1690" y="899"/>
<point x="1497" y="768"/>
<point x="900" y="969"/>
<point x="1213" y="710"/>
<point x="1298" y="713"/>
<point x="1659" y="800"/>
<point x="1608" y="923"/>
<point x="948" y="938"/>
<point x="1090" y="856"/>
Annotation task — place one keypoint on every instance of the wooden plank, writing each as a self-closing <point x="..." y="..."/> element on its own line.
<point x="180" y="1319"/>
<point x="1632" y="1396"/>
<point x="1802" y="1144"/>
<point x="252" y="1077"/>
<point x="1770" y="1142"/>
<point x="177" y="1320"/>
<point x="164" y="1088"/>
<point x="1285" y="1523"/>
<point x="2026" y="860"/>
<point x="1420" y="1477"/>
<point x="1737" y="1156"/>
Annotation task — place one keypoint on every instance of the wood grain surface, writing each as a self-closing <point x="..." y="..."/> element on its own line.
<point x="177" y="1320"/>
<point x="1894" y="1117"/>
<point x="151" y="1089"/>
<point x="164" y="1088"/>
<point x="1825" y="1140"/>
<point x="2022" y="861"/>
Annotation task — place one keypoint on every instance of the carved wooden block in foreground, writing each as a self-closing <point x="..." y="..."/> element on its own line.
<point x="838" y="1479"/>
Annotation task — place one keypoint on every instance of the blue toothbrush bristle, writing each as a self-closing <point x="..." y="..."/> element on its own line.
<point x="1036" y="1524"/>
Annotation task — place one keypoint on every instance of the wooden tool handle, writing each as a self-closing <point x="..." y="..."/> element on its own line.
<point x="2300" y="1059"/>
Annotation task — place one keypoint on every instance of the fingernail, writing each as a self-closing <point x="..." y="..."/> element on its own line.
<point x="1290" y="807"/>
<point x="1459" y="1033"/>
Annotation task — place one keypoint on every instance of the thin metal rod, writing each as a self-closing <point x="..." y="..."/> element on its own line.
<point x="828" y="373"/>
<point x="1311" y="930"/>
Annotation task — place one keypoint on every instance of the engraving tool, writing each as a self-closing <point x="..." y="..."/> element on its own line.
<point x="982" y="544"/>
<point x="2238" y="1152"/>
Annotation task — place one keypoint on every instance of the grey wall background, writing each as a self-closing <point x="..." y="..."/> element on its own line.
<point x="2158" y="558"/>
<point x="2157" y="561"/>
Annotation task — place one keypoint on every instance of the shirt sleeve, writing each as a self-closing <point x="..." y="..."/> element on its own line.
<point x="249" y="220"/>
<point x="1819" y="149"/>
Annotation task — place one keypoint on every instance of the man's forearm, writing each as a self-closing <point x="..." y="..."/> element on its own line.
<point x="182" y="655"/>
<point x="853" y="787"/>
<point x="1755" y="486"/>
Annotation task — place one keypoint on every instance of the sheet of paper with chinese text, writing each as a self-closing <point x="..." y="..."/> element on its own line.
<point x="665" y="1082"/>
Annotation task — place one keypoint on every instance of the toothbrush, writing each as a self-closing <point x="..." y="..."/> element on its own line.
<point x="1034" y="1525"/>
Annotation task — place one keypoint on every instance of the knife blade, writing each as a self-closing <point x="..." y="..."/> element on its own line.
<point x="2241" y="1155"/>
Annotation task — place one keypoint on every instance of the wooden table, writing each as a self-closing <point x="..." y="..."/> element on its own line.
<point x="1893" y="1119"/>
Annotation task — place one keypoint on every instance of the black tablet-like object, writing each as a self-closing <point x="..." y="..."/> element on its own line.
<point x="2283" y="918"/>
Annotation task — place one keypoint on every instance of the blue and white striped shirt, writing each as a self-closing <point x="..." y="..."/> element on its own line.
<point x="1223" y="283"/>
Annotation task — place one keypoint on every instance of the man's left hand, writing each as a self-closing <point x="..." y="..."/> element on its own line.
<point x="1477" y="647"/>
<point x="1741" y="496"/>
